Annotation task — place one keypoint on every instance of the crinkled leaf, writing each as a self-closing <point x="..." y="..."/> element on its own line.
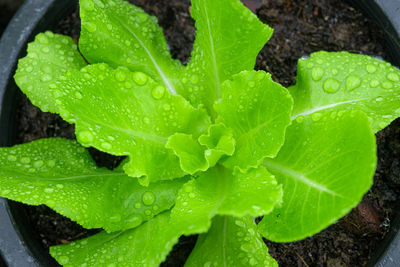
<point x="147" y="245"/>
<point x="49" y="57"/>
<point x="127" y="113"/>
<point x="61" y="174"/>
<point x="344" y="81"/>
<point x="228" y="39"/>
<point x="231" y="242"/>
<point x="258" y="110"/>
<point x="219" y="191"/>
<point x="203" y="154"/>
<point x="121" y="34"/>
<point x="326" y="165"/>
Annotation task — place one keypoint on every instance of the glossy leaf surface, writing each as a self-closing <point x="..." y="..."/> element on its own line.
<point x="62" y="175"/>
<point x="127" y="113"/>
<point x="121" y="34"/>
<point x="220" y="192"/>
<point x="49" y="57"/>
<point x="344" y="81"/>
<point x="258" y="111"/>
<point x="204" y="153"/>
<point x="231" y="242"/>
<point x="228" y="40"/>
<point x="146" y="245"/>
<point x="325" y="166"/>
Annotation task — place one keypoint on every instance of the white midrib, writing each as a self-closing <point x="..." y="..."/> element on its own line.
<point x="213" y="58"/>
<point x="298" y="177"/>
<point x="166" y="81"/>
<point x="316" y="109"/>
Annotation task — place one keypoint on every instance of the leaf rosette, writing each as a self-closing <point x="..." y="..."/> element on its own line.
<point x="209" y="145"/>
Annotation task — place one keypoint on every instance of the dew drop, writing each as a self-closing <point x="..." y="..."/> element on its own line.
<point x="85" y="137"/>
<point x="371" y="68"/>
<point x="12" y="158"/>
<point x="45" y="50"/>
<point x="115" y="218"/>
<point x="25" y="160"/>
<point x="120" y="75"/>
<point x="106" y="145"/>
<point x="43" y="39"/>
<point x="252" y="84"/>
<point x="300" y="119"/>
<point x="140" y="78"/>
<point x="352" y="82"/>
<point x="78" y="95"/>
<point x="316" y="116"/>
<point x="48" y="190"/>
<point x="146" y="120"/>
<point x="134" y="220"/>
<point x="45" y="78"/>
<point x="29" y="69"/>
<point x="51" y="163"/>
<point x="158" y="92"/>
<point x="38" y="164"/>
<point x="194" y="78"/>
<point x="387" y="85"/>
<point x="138" y="205"/>
<point x="148" y="198"/>
<point x="90" y="27"/>
<point x="374" y="83"/>
<point x="393" y="77"/>
<point x="166" y="107"/>
<point x="331" y="86"/>
<point x="88" y="5"/>
<point x="63" y="260"/>
<point x="317" y="73"/>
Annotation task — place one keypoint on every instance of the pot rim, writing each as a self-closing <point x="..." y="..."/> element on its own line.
<point x="33" y="17"/>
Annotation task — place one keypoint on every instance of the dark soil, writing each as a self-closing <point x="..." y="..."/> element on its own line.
<point x="301" y="27"/>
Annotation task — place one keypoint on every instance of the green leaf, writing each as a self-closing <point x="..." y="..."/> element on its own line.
<point x="49" y="57"/>
<point x="258" y="110"/>
<point x="220" y="192"/>
<point x="203" y="154"/>
<point x="219" y="141"/>
<point x="146" y="245"/>
<point x="127" y="113"/>
<point x="62" y="175"/>
<point x="228" y="39"/>
<point x="231" y="242"/>
<point x="121" y="34"/>
<point x="344" y="81"/>
<point x="326" y="165"/>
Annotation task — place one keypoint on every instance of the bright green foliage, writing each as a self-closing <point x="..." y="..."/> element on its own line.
<point x="206" y="152"/>
<point x="210" y="145"/>
<point x="120" y="34"/>
<point x="325" y="166"/>
<point x="231" y="242"/>
<point x="258" y="110"/>
<point x="228" y="40"/>
<point x="146" y="245"/>
<point x="61" y="174"/>
<point x="221" y="192"/>
<point x="121" y="112"/>
<point x="344" y="81"/>
<point x="49" y="56"/>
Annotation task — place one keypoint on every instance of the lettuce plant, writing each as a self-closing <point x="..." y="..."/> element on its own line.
<point x="209" y="146"/>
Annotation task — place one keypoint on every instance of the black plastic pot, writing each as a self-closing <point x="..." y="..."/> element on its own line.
<point x="18" y="247"/>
